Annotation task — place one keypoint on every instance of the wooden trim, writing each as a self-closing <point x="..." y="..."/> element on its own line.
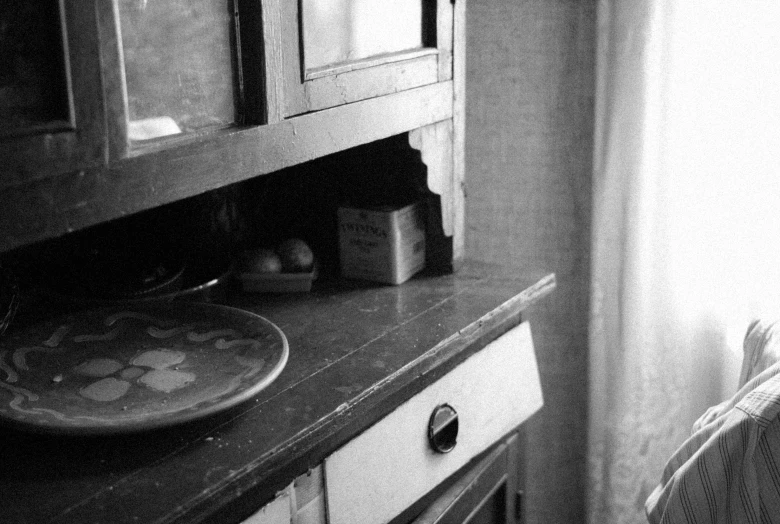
<point x="260" y="42"/>
<point x="52" y="126"/>
<point x="294" y="102"/>
<point x="66" y="58"/>
<point x="373" y="61"/>
<point x="75" y="200"/>
<point x="444" y="38"/>
<point x="274" y="60"/>
<point x="250" y="33"/>
<point x="112" y="65"/>
<point x="360" y="84"/>
<point x="459" y="131"/>
<point x="435" y="145"/>
<point x="86" y="82"/>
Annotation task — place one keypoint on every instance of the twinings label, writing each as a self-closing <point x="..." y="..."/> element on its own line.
<point x="384" y="245"/>
<point x="364" y="229"/>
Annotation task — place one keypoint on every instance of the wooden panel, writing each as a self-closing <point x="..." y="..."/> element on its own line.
<point x="292" y="60"/>
<point x="113" y="74"/>
<point x="302" y="502"/>
<point x="445" y="29"/>
<point x="309" y="490"/>
<point x="345" y="88"/>
<point x="435" y="145"/>
<point x="260" y="36"/>
<point x="388" y="467"/>
<point x="278" y="511"/>
<point x="274" y="64"/>
<point x="459" y="131"/>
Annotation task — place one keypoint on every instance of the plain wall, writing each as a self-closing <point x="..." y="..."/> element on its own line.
<point x="529" y="133"/>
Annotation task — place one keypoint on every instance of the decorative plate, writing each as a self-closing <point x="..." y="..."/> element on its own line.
<point x="124" y="369"/>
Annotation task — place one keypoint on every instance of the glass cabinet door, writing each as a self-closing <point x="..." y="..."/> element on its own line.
<point x="51" y="111"/>
<point x="181" y="67"/>
<point x="340" y="51"/>
<point x="342" y="31"/>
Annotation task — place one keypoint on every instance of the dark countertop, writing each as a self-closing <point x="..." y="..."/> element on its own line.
<point x="356" y="351"/>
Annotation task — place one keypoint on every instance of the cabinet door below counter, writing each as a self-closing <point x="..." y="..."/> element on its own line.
<point x="486" y="494"/>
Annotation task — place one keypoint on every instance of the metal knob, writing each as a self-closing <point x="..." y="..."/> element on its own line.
<point x="443" y="428"/>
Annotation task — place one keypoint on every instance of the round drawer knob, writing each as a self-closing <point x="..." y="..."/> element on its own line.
<point x="443" y="428"/>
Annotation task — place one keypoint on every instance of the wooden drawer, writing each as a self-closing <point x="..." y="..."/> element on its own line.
<point x="391" y="465"/>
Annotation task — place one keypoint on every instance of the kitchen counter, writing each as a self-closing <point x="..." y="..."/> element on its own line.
<point x="357" y="350"/>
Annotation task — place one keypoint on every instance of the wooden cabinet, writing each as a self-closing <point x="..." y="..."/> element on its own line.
<point x="386" y="470"/>
<point x="162" y="101"/>
<point x="159" y="101"/>
<point x="363" y="358"/>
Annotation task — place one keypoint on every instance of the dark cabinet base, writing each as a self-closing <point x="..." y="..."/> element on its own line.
<point x="485" y="493"/>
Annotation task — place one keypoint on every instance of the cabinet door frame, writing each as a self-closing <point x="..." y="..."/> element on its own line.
<point x="321" y="88"/>
<point x="79" y="142"/>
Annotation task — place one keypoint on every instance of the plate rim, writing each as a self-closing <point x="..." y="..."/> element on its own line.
<point x="175" y="418"/>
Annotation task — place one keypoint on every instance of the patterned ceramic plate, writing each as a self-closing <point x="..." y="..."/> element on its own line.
<point x="125" y="369"/>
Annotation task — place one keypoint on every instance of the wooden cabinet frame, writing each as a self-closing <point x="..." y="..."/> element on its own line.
<point x="316" y="89"/>
<point x="79" y="141"/>
<point x="85" y="174"/>
<point x="274" y="82"/>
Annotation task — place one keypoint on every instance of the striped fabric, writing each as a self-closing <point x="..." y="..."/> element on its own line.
<point x="729" y="470"/>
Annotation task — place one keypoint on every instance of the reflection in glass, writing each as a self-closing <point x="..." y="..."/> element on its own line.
<point x="336" y="31"/>
<point x="33" y="89"/>
<point x="179" y="65"/>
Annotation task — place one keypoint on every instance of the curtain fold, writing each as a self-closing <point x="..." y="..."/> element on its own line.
<point x="686" y="227"/>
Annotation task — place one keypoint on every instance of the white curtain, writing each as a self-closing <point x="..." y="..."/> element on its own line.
<point x="686" y="226"/>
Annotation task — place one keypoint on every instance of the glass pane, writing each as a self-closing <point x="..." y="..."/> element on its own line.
<point x="32" y="73"/>
<point x="179" y="65"/>
<point x="336" y="31"/>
